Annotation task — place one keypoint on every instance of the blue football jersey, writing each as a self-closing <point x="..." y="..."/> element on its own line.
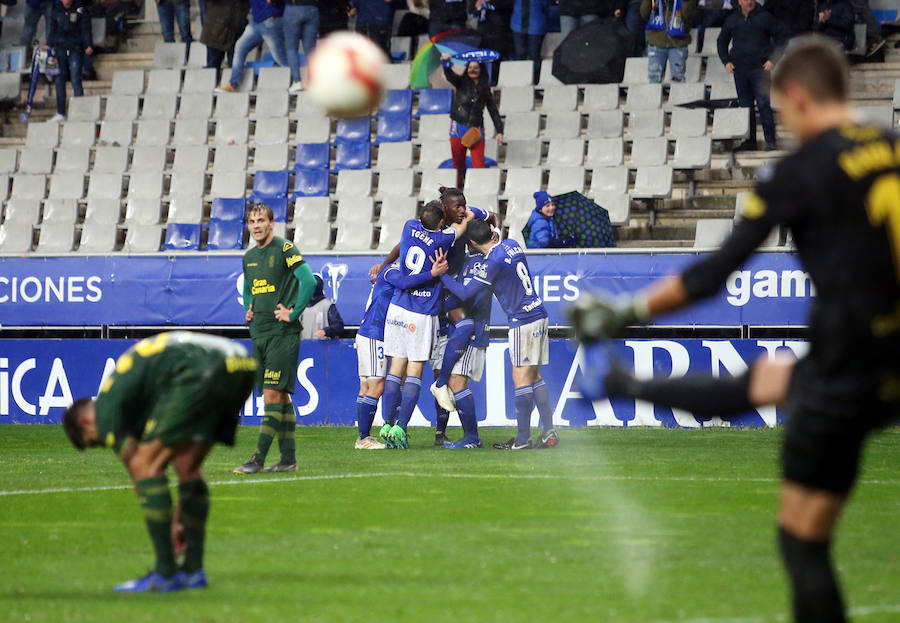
<point x="478" y="309"/>
<point x="372" y="325"/>
<point x="417" y="247"/>
<point x="505" y="269"/>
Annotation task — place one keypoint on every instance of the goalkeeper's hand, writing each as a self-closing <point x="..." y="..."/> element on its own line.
<point x="595" y="318"/>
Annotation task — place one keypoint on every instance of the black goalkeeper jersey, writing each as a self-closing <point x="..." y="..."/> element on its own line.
<point x="840" y="197"/>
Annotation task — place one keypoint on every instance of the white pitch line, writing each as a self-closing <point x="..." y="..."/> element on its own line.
<point x="596" y="478"/>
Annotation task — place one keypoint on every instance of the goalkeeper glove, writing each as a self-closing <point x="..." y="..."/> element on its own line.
<point x="595" y="318"/>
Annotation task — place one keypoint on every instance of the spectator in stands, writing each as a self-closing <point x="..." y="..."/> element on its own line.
<point x="34" y="10"/>
<point x="835" y="20"/>
<point x="375" y="19"/>
<point x="415" y="21"/>
<point x="171" y="11"/>
<point x="796" y="16"/>
<point x="493" y="24"/>
<point x="333" y="16"/>
<point x="529" y="25"/>
<point x="746" y="47"/>
<point x="862" y="10"/>
<point x="473" y="94"/>
<point x="636" y="25"/>
<point x="301" y="22"/>
<point x="543" y="232"/>
<point x="225" y="21"/>
<point x="445" y="15"/>
<point x="663" y="48"/>
<point x="265" y="25"/>
<point x="70" y="36"/>
<point x="321" y="318"/>
<point x="576" y="13"/>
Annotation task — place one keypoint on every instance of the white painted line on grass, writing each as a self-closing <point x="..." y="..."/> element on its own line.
<point x="277" y="479"/>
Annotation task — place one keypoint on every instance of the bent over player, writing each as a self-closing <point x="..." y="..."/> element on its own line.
<point x="840" y="196"/>
<point x="278" y="284"/>
<point x="171" y="397"/>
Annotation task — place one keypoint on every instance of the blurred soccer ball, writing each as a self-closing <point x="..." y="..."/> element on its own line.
<point x="346" y="74"/>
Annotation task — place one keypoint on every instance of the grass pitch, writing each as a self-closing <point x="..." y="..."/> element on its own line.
<point x="613" y="525"/>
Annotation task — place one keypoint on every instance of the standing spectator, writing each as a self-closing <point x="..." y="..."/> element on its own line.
<point x="225" y="21"/>
<point x="576" y="13"/>
<point x="445" y="15"/>
<point x="301" y="22"/>
<point x="375" y="19"/>
<point x="473" y="94"/>
<point x="712" y="15"/>
<point x="636" y="25"/>
<point x="70" y="37"/>
<point x="34" y="10"/>
<point x="201" y="9"/>
<point x="265" y="25"/>
<point x="321" y="318"/>
<point x="529" y="25"/>
<point x="752" y="34"/>
<point x="415" y="21"/>
<point x="663" y="48"/>
<point x="171" y="11"/>
<point x="796" y="16"/>
<point x="862" y="10"/>
<point x="333" y="16"/>
<point x="835" y="20"/>
<point x="543" y="232"/>
<point x="493" y="24"/>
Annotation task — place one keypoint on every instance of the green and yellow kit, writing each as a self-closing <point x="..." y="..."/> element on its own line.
<point x="178" y="387"/>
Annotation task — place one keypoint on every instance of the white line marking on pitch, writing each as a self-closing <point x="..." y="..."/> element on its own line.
<point x="598" y="478"/>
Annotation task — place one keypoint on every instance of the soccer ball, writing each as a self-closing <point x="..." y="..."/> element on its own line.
<point x="346" y="74"/>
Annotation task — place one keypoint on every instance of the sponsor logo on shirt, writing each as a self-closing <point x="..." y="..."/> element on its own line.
<point x="261" y="286"/>
<point x="294" y="259"/>
<point x="532" y="305"/>
<point x="412" y="327"/>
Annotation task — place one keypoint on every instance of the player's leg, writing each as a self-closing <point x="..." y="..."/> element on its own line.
<point x="287" y="444"/>
<point x="412" y="387"/>
<point x="465" y="406"/>
<point x="522" y="377"/>
<point x="287" y="352"/>
<point x="271" y="421"/>
<point x="390" y="401"/>
<point x="549" y="436"/>
<point x="367" y="404"/>
<point x="442" y="415"/>
<point x="419" y="344"/>
<point x="458" y="338"/>
<point x="189" y="527"/>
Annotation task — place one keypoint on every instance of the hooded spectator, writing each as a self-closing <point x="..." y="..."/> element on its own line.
<point x="543" y="232"/>
<point x="321" y="318"/>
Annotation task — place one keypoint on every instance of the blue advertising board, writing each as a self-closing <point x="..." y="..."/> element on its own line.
<point x="769" y="289"/>
<point x="40" y="378"/>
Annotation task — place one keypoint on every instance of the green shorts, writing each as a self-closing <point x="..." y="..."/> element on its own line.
<point x="202" y="404"/>
<point x="277" y="357"/>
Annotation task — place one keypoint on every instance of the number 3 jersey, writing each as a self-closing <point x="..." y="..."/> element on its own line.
<point x="417" y="246"/>
<point x="840" y="197"/>
<point x="505" y="269"/>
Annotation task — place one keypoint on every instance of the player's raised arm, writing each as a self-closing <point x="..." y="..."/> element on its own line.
<point x="460" y="228"/>
<point x="390" y="259"/>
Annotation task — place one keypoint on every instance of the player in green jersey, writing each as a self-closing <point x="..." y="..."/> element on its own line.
<point x="170" y="399"/>
<point x="278" y="284"/>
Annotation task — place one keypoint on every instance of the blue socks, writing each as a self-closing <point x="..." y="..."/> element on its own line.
<point x="391" y="399"/>
<point x="365" y="414"/>
<point x="443" y="418"/>
<point x="465" y="406"/>
<point x="524" y="405"/>
<point x="542" y="402"/>
<point x="457" y="342"/>
<point x="410" y="391"/>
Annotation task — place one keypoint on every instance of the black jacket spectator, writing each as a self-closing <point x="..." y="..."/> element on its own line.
<point x="796" y="16"/>
<point x="838" y="23"/>
<point x="443" y="11"/>
<point x="225" y="21"/>
<point x="333" y="16"/>
<point x="471" y="98"/>
<point x="494" y="28"/>
<point x="753" y="39"/>
<point x="69" y="29"/>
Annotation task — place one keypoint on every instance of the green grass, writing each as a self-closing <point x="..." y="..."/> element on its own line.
<point x="614" y="525"/>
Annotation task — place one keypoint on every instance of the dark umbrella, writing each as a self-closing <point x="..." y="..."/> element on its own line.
<point x="580" y="218"/>
<point x="594" y="53"/>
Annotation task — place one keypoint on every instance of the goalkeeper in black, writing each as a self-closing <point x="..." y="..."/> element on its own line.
<point x="839" y="194"/>
<point x="170" y="399"/>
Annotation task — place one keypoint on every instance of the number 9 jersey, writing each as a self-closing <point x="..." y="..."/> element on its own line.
<point x="417" y="246"/>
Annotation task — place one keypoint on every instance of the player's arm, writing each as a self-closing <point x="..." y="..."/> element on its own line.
<point x="467" y="292"/>
<point x="390" y="259"/>
<point x="247" y="298"/>
<point x="460" y="228"/>
<point x="397" y="279"/>
<point x="304" y="275"/>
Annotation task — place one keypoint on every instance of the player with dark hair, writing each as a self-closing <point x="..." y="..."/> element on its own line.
<point x="412" y="317"/>
<point x="840" y="195"/>
<point x="504" y="271"/>
<point x="278" y="284"/>
<point x="171" y="397"/>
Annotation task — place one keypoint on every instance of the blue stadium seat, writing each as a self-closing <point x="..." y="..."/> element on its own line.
<point x="314" y="183"/>
<point x="225" y="235"/>
<point x="270" y="184"/>
<point x="312" y="156"/>
<point x="396" y="100"/>
<point x="435" y="101"/>
<point x="278" y="205"/>
<point x="398" y="57"/>
<point x="224" y="209"/>
<point x="354" y="130"/>
<point x="394" y="127"/>
<point x="182" y="237"/>
<point x="353" y="156"/>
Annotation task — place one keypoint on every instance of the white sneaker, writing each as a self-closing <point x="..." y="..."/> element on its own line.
<point x="369" y="443"/>
<point x="57" y="118"/>
<point x="295" y="87"/>
<point x="444" y="397"/>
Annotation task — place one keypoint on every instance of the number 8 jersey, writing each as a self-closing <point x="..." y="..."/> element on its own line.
<point x="417" y="246"/>
<point x="505" y="269"/>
